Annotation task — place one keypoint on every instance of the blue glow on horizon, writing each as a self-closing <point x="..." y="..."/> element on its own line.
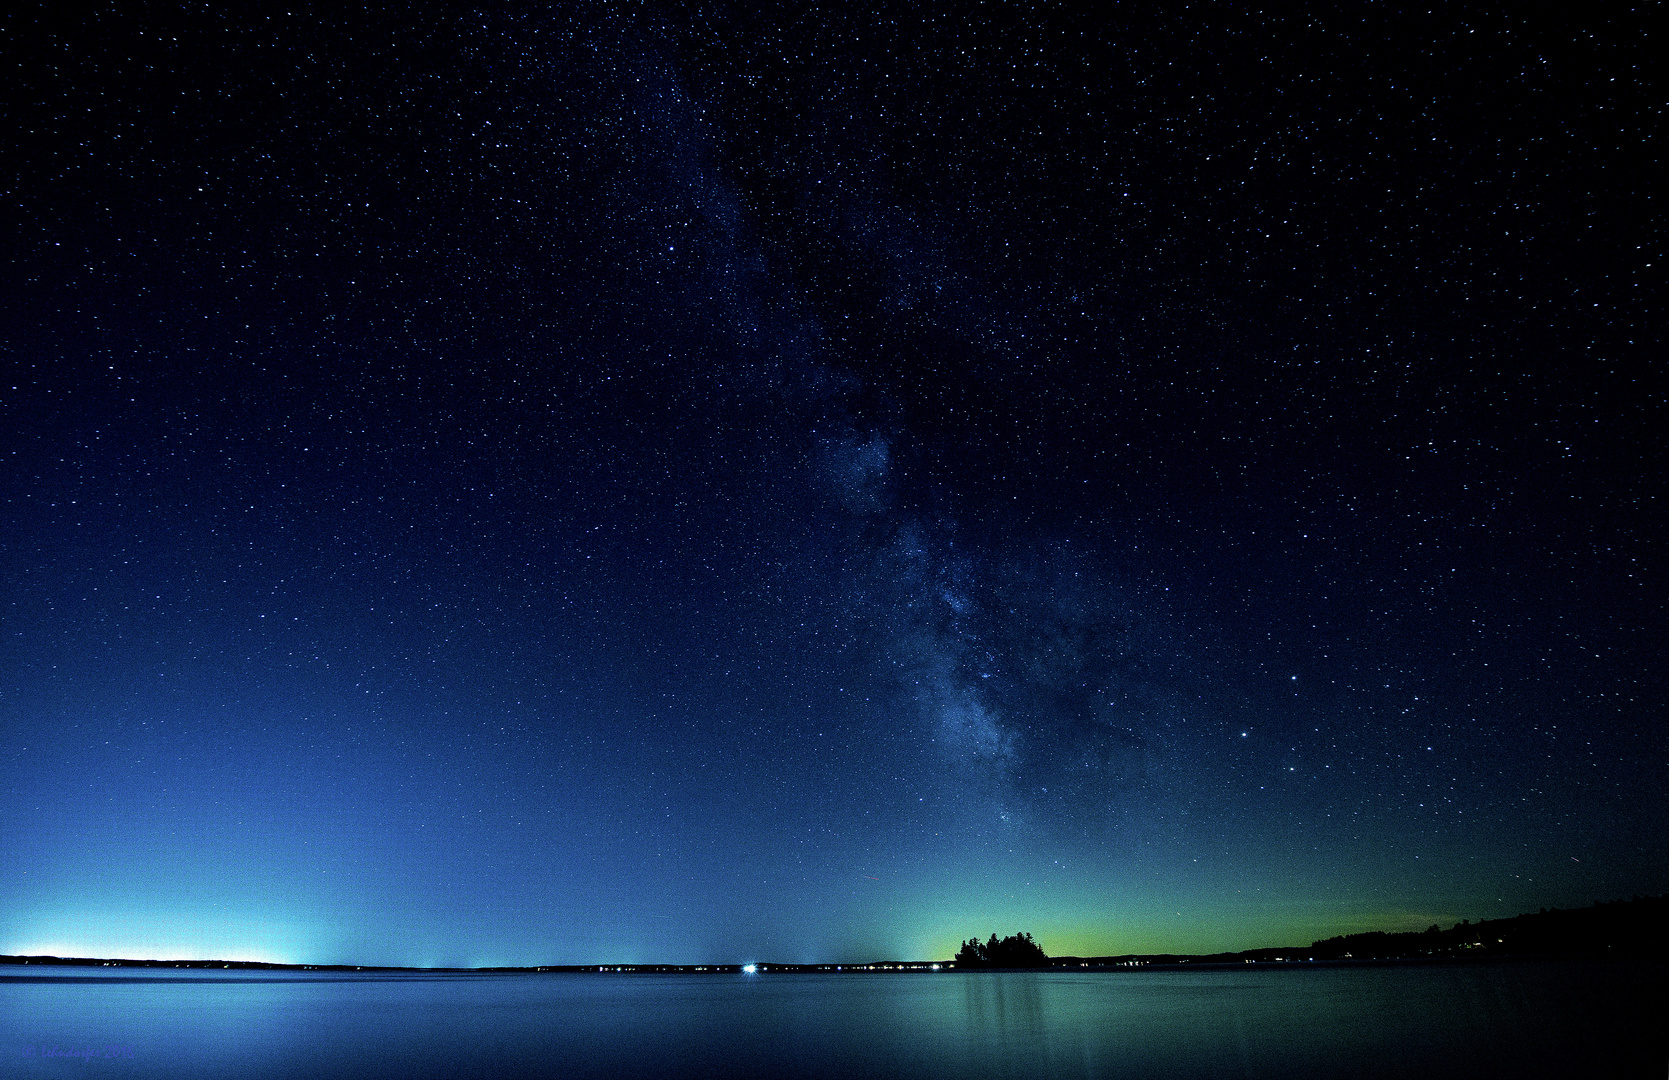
<point x="155" y="936"/>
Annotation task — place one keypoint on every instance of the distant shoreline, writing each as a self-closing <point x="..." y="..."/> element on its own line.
<point x="1109" y="965"/>
<point x="1622" y="930"/>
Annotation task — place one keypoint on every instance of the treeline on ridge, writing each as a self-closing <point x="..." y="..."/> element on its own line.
<point x="1639" y="926"/>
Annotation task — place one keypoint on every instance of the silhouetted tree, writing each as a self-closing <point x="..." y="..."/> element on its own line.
<point x="1016" y="950"/>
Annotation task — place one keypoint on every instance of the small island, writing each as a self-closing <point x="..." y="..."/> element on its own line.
<point x="1014" y="951"/>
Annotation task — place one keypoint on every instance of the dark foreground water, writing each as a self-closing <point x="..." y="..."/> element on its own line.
<point x="1517" y="1020"/>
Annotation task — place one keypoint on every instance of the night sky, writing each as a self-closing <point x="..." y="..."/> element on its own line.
<point x="702" y="483"/>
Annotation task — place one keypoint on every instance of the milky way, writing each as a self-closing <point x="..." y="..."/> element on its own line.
<point x="690" y="484"/>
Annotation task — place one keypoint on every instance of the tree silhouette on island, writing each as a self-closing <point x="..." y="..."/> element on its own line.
<point x="1014" y="951"/>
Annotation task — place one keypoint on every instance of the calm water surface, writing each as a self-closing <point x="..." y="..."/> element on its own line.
<point x="1500" y="1020"/>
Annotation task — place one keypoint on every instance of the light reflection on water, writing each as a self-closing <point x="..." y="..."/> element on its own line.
<point x="1506" y="1020"/>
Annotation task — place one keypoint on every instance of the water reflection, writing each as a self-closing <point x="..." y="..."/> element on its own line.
<point x="1523" y="1020"/>
<point x="1006" y="1005"/>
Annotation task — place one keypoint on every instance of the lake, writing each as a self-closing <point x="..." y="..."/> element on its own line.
<point x="1525" y="1019"/>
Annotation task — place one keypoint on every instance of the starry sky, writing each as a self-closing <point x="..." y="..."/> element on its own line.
<point x="704" y="482"/>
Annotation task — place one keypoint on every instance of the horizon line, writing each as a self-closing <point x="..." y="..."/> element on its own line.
<point x="751" y="966"/>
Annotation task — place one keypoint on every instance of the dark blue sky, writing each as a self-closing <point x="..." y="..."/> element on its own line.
<point x="704" y="483"/>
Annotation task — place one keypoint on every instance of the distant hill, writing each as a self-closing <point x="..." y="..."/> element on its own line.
<point x="1638" y="927"/>
<point x="1624" y="927"/>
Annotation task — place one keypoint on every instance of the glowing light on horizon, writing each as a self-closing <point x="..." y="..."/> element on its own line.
<point x="145" y="951"/>
<point x="176" y="937"/>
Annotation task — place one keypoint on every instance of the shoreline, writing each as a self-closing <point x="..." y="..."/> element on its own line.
<point x="1078" y="965"/>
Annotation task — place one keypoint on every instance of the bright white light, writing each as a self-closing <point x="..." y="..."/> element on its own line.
<point x="749" y="969"/>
